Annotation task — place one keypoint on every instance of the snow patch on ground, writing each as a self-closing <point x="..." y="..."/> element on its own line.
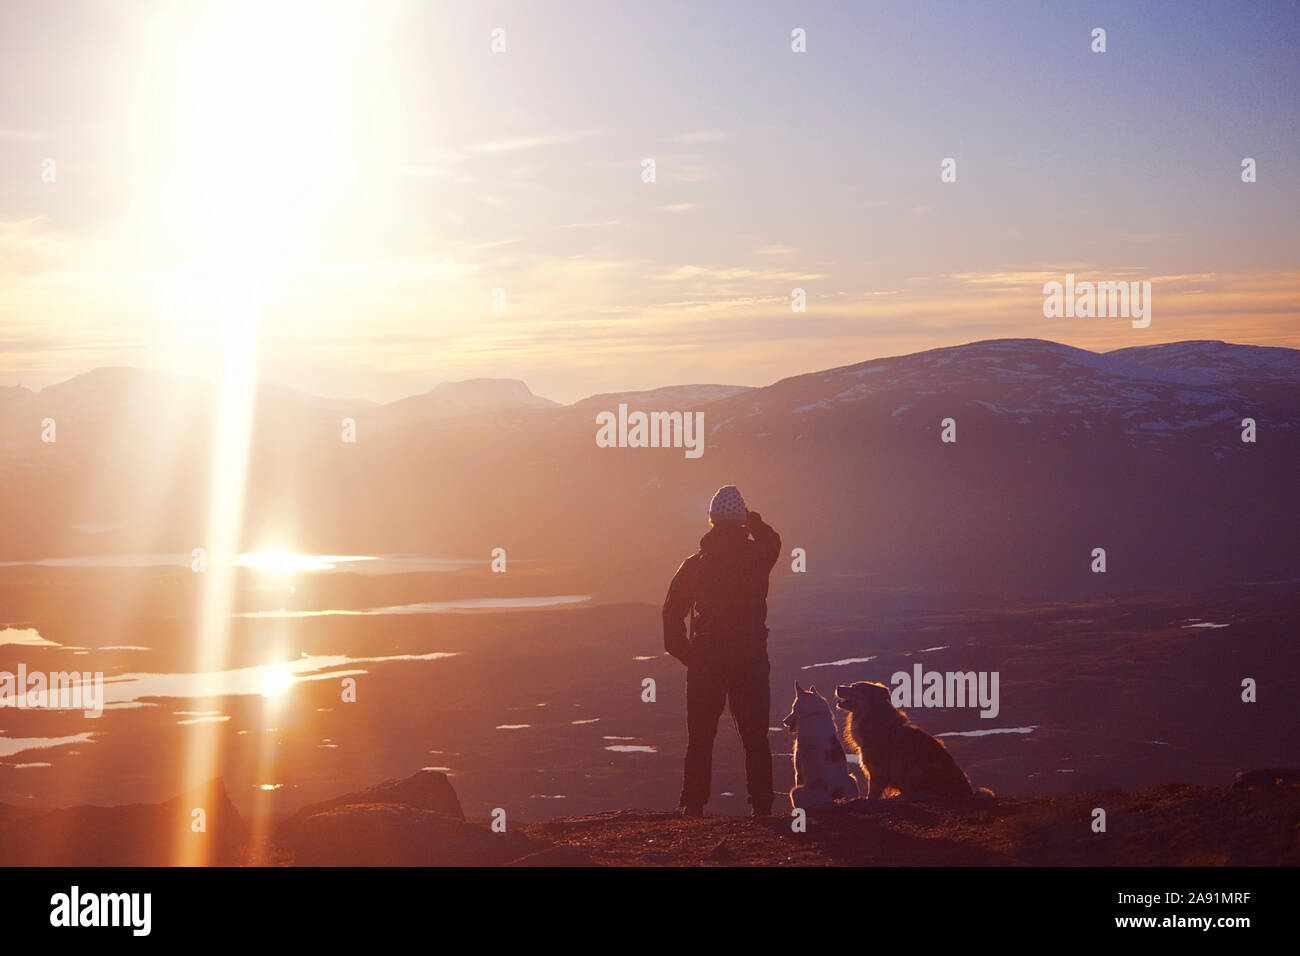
<point x="824" y="403"/>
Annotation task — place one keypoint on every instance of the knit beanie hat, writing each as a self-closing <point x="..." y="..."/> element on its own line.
<point x="727" y="505"/>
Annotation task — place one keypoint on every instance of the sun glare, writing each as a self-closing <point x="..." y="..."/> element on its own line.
<point x="276" y="679"/>
<point x="248" y="123"/>
<point x="289" y="562"/>
<point x="257" y="126"/>
<point x="251" y="104"/>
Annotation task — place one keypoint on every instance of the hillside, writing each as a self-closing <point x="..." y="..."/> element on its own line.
<point x="1174" y="825"/>
<point x="1058" y="450"/>
<point x="418" y="822"/>
<point x="456" y="400"/>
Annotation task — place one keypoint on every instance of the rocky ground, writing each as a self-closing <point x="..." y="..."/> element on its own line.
<point x="418" y="821"/>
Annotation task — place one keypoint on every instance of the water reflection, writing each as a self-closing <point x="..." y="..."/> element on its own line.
<point x="276" y="562"/>
<point x="432" y="607"/>
<point x="16" y="745"/>
<point x="270" y="678"/>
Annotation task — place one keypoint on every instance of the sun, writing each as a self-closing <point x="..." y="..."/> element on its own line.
<point x="276" y="679"/>
<point x="249" y="118"/>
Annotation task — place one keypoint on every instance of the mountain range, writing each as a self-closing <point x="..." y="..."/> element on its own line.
<point x="1058" y="451"/>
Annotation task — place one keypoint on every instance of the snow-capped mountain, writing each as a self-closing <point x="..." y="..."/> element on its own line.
<point x="1148" y="393"/>
<point x="1220" y="360"/>
<point x="1058" y="451"/>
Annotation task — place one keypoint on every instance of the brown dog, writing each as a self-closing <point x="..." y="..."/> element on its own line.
<point x="894" y="751"/>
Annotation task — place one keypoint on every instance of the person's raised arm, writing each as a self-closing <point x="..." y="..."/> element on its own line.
<point x="765" y="536"/>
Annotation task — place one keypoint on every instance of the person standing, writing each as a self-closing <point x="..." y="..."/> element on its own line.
<point x="723" y="588"/>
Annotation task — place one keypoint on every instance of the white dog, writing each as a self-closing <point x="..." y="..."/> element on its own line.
<point x="821" y="772"/>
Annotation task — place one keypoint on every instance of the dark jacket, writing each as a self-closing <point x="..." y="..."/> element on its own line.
<point x="723" y="586"/>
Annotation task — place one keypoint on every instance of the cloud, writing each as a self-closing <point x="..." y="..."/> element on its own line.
<point x="681" y="168"/>
<point x="25" y="249"/>
<point x="492" y="245"/>
<point x="11" y="135"/>
<point x="688" y="273"/>
<point x="592" y="224"/>
<point x="517" y="143"/>
<point x="723" y="303"/>
<point x="703" y="136"/>
<point x="1020" y="278"/>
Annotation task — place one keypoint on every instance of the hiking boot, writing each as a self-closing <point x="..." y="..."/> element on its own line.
<point x="690" y="811"/>
<point x="760" y="812"/>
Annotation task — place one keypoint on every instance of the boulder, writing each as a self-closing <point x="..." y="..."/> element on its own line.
<point x="425" y="790"/>
<point x="1267" y="777"/>
<point x="387" y="834"/>
<point x="138" y="834"/>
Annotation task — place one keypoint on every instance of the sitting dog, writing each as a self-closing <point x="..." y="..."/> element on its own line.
<point x="894" y="751"/>
<point x="821" y="771"/>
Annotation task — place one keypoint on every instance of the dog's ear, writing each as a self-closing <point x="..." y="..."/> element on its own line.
<point x="812" y="688"/>
<point x="797" y="689"/>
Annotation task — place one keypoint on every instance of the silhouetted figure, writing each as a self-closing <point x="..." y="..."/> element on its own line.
<point x="723" y="587"/>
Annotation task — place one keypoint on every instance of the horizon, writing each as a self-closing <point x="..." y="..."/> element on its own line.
<point x="584" y="397"/>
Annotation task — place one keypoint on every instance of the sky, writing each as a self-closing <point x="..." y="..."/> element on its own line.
<point x="361" y="177"/>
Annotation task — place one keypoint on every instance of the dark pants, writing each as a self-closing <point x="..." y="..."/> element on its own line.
<point x="708" y="690"/>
